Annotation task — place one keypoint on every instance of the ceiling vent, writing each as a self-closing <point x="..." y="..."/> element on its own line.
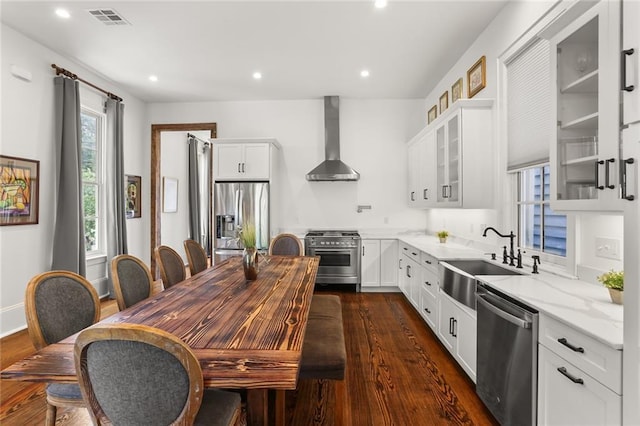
<point x="108" y="16"/>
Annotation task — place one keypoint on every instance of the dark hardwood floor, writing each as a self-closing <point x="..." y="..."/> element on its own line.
<point x="398" y="374"/>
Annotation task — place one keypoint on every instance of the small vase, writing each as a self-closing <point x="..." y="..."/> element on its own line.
<point x="443" y="240"/>
<point x="250" y="263"/>
<point x="616" y="296"/>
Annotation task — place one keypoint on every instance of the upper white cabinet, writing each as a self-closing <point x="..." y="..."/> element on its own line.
<point x="243" y="159"/>
<point x="630" y="73"/>
<point x="451" y="161"/>
<point x="585" y="67"/>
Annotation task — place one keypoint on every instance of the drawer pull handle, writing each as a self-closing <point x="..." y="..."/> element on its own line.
<point x="564" y="342"/>
<point x="564" y="372"/>
<point x="414" y="253"/>
<point x="428" y="262"/>
<point x="427" y="311"/>
<point x="428" y="283"/>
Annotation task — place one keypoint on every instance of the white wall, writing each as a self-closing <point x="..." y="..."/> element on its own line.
<point x="28" y="132"/>
<point x="373" y="141"/>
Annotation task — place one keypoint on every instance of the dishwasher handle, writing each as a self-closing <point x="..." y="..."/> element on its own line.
<point x="493" y="304"/>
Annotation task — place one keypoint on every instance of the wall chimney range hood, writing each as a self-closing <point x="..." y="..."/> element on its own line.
<point x="332" y="169"/>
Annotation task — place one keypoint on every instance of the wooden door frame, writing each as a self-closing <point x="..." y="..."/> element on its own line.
<point x="156" y="130"/>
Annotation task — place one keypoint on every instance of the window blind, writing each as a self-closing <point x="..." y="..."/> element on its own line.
<point x="529" y="119"/>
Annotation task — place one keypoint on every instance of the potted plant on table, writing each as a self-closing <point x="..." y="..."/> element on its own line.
<point x="443" y="236"/>
<point x="614" y="281"/>
<point x="250" y="254"/>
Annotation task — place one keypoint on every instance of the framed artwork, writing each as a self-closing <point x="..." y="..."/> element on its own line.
<point x="477" y="77"/>
<point x="444" y="101"/>
<point x="456" y="90"/>
<point x="432" y="114"/>
<point x="19" y="190"/>
<point x="133" y="197"/>
<point x="169" y="195"/>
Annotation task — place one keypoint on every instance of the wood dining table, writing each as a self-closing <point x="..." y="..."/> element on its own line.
<point x="246" y="334"/>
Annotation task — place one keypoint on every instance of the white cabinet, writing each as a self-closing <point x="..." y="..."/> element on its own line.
<point x="379" y="263"/>
<point x="457" y="331"/>
<point x="579" y="378"/>
<point x="242" y="161"/>
<point x="584" y="155"/>
<point x="370" y="263"/>
<point x="567" y="396"/>
<point x="422" y="177"/>
<point x="410" y="275"/>
<point x="464" y="155"/>
<point x="631" y="61"/>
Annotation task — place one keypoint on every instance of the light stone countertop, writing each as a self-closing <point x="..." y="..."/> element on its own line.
<point x="581" y="305"/>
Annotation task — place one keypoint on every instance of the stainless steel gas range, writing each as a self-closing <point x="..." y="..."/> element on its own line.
<point x="340" y="258"/>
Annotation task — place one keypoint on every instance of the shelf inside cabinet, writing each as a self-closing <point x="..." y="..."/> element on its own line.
<point x="586" y="84"/>
<point x="589" y="121"/>
<point x="581" y="160"/>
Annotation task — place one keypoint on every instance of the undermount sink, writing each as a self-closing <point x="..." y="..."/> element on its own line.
<point x="481" y="267"/>
<point x="457" y="278"/>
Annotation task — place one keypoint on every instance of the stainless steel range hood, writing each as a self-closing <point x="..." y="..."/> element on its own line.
<point x="332" y="169"/>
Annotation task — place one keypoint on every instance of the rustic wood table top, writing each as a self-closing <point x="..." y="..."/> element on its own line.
<point x="246" y="334"/>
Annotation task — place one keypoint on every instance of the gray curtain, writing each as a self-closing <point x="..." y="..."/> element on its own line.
<point x="199" y="192"/>
<point x="115" y="186"/>
<point x="68" y="238"/>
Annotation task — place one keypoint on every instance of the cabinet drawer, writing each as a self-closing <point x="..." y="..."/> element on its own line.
<point x="428" y="261"/>
<point x="428" y="307"/>
<point x="598" y="360"/>
<point x="567" y="396"/>
<point x="430" y="281"/>
<point x="410" y="251"/>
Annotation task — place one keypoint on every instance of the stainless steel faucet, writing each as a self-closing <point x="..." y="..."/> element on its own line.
<point x="511" y="237"/>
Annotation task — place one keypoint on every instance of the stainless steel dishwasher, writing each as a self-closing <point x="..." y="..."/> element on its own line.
<point x="507" y="357"/>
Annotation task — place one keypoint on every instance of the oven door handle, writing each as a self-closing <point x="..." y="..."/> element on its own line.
<point x="337" y="251"/>
<point x="492" y="303"/>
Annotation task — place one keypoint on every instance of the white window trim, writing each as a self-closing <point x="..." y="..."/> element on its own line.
<point x="565" y="266"/>
<point x="101" y="252"/>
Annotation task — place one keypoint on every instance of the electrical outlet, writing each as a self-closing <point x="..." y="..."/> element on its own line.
<point x="608" y="248"/>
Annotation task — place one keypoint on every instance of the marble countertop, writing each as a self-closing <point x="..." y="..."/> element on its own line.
<point x="581" y="305"/>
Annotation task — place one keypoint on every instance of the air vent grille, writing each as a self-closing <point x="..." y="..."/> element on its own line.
<point x="108" y="16"/>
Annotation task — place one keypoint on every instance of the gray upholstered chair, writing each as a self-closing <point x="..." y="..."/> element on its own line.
<point x="132" y="374"/>
<point x="57" y="305"/>
<point x="196" y="256"/>
<point x="171" y="264"/>
<point x="286" y="245"/>
<point x="132" y="280"/>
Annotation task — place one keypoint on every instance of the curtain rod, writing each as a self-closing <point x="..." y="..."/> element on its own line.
<point x="73" y="76"/>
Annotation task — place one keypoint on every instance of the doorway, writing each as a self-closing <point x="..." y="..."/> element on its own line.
<point x="156" y="181"/>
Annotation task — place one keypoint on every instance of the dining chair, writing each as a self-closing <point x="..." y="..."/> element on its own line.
<point x="171" y="264"/>
<point x="57" y="305"/>
<point x="286" y="245"/>
<point x="196" y="256"/>
<point x="132" y="280"/>
<point x="133" y="374"/>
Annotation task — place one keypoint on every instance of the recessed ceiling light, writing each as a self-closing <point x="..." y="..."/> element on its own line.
<point x="380" y="4"/>
<point x="364" y="73"/>
<point x="63" y="13"/>
<point x="257" y="75"/>
<point x="153" y="78"/>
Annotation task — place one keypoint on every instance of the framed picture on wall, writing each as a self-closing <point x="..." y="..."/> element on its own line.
<point x="19" y="190"/>
<point x="477" y="77"/>
<point x="444" y="102"/>
<point x="169" y="195"/>
<point x="456" y="90"/>
<point x="432" y="114"/>
<point x="133" y="197"/>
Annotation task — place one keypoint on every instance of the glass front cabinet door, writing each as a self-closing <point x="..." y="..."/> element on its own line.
<point x="585" y="154"/>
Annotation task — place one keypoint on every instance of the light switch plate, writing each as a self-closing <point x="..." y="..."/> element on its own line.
<point x="608" y="248"/>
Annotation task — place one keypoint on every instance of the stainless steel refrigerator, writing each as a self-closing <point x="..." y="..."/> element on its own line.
<point x="237" y="203"/>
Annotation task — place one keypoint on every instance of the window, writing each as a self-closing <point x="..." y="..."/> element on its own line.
<point x="541" y="229"/>
<point x="92" y="124"/>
